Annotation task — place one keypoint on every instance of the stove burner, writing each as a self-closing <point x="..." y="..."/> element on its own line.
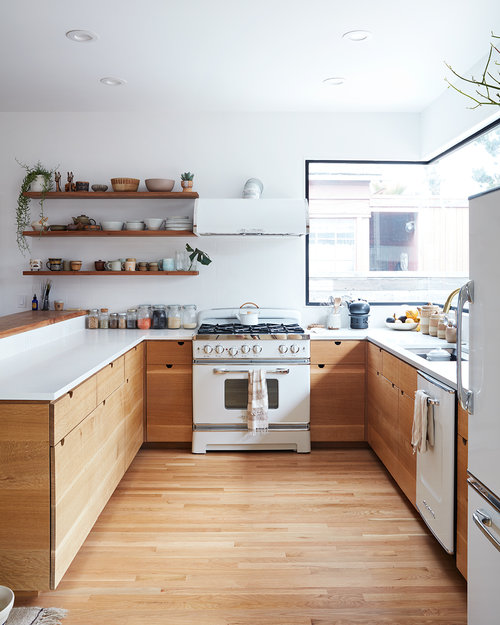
<point x="261" y="328"/>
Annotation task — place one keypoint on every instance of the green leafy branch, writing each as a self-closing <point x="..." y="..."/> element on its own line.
<point x="488" y="83"/>
<point x="197" y="255"/>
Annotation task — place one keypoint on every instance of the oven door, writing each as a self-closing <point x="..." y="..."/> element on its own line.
<point x="220" y="393"/>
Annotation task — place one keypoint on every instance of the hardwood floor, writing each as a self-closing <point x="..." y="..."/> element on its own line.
<point x="259" y="539"/>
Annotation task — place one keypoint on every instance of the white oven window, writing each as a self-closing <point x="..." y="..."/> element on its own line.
<point x="236" y="394"/>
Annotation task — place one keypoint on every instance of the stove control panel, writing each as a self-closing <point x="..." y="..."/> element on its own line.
<point x="235" y="350"/>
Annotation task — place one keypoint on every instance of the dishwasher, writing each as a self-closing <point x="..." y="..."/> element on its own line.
<point x="435" y="492"/>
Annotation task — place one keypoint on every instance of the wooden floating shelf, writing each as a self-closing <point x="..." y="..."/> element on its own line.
<point x="111" y="273"/>
<point x="114" y="195"/>
<point x="109" y="233"/>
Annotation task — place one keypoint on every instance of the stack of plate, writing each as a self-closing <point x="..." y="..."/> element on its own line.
<point x="178" y="223"/>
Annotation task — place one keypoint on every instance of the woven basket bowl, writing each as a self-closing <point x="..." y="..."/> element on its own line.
<point x="125" y="184"/>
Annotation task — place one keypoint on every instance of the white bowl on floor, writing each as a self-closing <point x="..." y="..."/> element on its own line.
<point x="6" y="603"/>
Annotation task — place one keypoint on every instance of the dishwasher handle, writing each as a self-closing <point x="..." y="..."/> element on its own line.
<point x="465" y="295"/>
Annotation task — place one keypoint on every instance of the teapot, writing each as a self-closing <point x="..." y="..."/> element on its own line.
<point x="83" y="220"/>
<point x="248" y="316"/>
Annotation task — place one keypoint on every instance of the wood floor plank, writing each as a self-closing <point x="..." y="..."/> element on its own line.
<point x="267" y="538"/>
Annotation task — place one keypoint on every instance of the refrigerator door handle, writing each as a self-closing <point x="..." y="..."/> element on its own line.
<point x="464" y="395"/>
<point x="483" y="521"/>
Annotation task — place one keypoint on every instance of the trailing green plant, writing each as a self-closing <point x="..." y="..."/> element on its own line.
<point x="23" y="213"/>
<point x="187" y="175"/>
<point x="488" y="87"/>
<point x="197" y="255"/>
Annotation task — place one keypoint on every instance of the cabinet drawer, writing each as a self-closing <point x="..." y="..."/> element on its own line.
<point x="407" y="378"/>
<point x="169" y="352"/>
<point x="338" y="352"/>
<point x="390" y="367"/>
<point x="69" y="410"/>
<point x="110" y="378"/>
<point x="374" y="357"/>
<point x="134" y="361"/>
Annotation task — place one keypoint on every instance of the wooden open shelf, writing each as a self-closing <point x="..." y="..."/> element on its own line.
<point x="111" y="273"/>
<point x="109" y="233"/>
<point x="114" y="195"/>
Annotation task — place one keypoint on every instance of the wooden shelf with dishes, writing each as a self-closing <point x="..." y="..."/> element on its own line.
<point x="108" y="233"/>
<point x="114" y="195"/>
<point x="111" y="273"/>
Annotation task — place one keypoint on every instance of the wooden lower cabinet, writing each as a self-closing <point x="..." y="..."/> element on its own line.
<point x="462" y="491"/>
<point x="169" y="403"/>
<point x="59" y="466"/>
<point x="337" y="398"/>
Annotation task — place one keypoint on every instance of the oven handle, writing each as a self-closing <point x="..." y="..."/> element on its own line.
<point x="278" y="371"/>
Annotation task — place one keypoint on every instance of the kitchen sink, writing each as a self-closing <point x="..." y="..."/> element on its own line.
<point x="423" y="351"/>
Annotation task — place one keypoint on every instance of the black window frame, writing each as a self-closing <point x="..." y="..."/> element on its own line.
<point x="455" y="147"/>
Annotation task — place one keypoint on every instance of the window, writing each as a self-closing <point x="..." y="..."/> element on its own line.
<point x="395" y="231"/>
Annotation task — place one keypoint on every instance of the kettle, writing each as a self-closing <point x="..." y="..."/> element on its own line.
<point x="359" y="311"/>
<point x="248" y="316"/>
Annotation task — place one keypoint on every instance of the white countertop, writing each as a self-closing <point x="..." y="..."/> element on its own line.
<point x="46" y="372"/>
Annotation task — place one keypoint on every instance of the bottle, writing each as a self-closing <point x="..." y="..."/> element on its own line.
<point x="34" y="303"/>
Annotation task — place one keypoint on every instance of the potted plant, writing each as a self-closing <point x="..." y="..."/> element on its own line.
<point x="187" y="181"/>
<point x="37" y="178"/>
<point x="196" y="256"/>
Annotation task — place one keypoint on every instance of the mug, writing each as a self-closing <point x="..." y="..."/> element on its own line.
<point x="66" y="265"/>
<point x="76" y="265"/>
<point x="113" y="265"/>
<point x="166" y="264"/>
<point x="81" y="185"/>
<point x="129" y="265"/>
<point x="35" y="264"/>
<point x="99" y="265"/>
<point x="54" y="264"/>
<point x="58" y="304"/>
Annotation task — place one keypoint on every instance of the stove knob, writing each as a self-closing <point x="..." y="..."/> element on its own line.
<point x="233" y="351"/>
<point x="245" y="349"/>
<point x="208" y="349"/>
<point x="257" y="349"/>
<point x="219" y="349"/>
<point x="283" y="349"/>
<point x="294" y="349"/>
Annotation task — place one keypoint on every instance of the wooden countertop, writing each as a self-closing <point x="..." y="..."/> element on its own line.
<point x="30" y="320"/>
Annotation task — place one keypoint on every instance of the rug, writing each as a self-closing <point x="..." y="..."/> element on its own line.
<point x="36" y="616"/>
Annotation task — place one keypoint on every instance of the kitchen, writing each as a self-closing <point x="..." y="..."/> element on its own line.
<point x="224" y="149"/>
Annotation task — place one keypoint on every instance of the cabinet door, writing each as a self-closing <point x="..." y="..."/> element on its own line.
<point x="169" y="352"/>
<point x="390" y="367"/>
<point x="384" y="420"/>
<point x="86" y="467"/>
<point x="374" y="357"/>
<point x="407" y="470"/>
<point x="169" y="403"/>
<point x="338" y="352"/>
<point x="462" y="503"/>
<point x="109" y="378"/>
<point x="134" y="402"/>
<point x="407" y="379"/>
<point x="337" y="403"/>
<point x="69" y="410"/>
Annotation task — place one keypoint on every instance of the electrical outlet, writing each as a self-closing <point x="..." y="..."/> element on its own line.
<point x="22" y="301"/>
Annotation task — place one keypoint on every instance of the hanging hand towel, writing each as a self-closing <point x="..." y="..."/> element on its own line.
<point x="257" y="401"/>
<point x="419" y="429"/>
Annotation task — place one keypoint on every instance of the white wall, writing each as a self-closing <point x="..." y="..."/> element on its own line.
<point x="223" y="150"/>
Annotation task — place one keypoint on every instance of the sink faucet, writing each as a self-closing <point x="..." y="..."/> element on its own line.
<point x="449" y="299"/>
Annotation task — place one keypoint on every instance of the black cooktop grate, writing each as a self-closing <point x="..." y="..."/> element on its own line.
<point x="261" y="328"/>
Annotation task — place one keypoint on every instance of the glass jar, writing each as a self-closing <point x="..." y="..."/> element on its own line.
<point x="93" y="319"/>
<point x="189" y="320"/>
<point x="174" y="317"/>
<point x="143" y="318"/>
<point x="122" y="321"/>
<point x="113" y="321"/>
<point x="131" y="319"/>
<point x="104" y="319"/>
<point x="149" y="308"/>
<point x="159" y="321"/>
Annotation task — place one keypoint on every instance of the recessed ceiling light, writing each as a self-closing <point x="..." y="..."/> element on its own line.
<point x="81" y="36"/>
<point x="112" y="81"/>
<point x="334" y="81"/>
<point x="357" y="35"/>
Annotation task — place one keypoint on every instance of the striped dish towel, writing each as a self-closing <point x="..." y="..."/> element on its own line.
<point x="257" y="401"/>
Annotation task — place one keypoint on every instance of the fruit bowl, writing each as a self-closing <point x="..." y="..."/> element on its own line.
<point x="401" y="326"/>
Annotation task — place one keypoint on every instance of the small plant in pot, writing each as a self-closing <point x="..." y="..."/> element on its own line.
<point x="187" y="181"/>
<point x="37" y="178"/>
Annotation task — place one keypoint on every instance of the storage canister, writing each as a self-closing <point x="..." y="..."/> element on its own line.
<point x="425" y="314"/>
<point x="131" y="319"/>
<point x="159" y="321"/>
<point x="122" y="321"/>
<point x="93" y="319"/>
<point x="113" y="321"/>
<point x="173" y="317"/>
<point x="433" y="323"/>
<point x="143" y="318"/>
<point x="189" y="316"/>
<point x="104" y="319"/>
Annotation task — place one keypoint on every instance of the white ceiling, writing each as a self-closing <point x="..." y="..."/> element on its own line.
<point x="237" y="55"/>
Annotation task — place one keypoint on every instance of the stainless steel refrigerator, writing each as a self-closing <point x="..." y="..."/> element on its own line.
<point x="480" y="395"/>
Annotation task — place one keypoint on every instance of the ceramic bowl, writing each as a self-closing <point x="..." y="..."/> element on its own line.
<point x="153" y="223"/>
<point x="39" y="227"/>
<point x="6" y="603"/>
<point x="134" y="225"/>
<point x="125" y="184"/>
<point x="57" y="227"/>
<point x="99" y="187"/>
<point x="111" y="225"/>
<point x="159" y="184"/>
<point x="401" y="326"/>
